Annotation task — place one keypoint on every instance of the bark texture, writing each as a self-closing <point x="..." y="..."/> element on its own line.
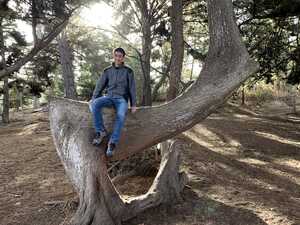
<point x="100" y="202"/>
<point x="146" y="52"/>
<point x="227" y="65"/>
<point x="5" y="112"/>
<point x="177" y="46"/>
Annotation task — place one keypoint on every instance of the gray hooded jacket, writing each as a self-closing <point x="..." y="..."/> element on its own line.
<point x="119" y="81"/>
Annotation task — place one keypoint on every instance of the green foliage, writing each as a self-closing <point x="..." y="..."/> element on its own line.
<point x="86" y="81"/>
<point x="270" y="34"/>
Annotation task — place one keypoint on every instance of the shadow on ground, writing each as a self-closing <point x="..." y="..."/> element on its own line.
<point x="195" y="210"/>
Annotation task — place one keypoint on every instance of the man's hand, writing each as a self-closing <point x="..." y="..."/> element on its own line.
<point x="133" y="109"/>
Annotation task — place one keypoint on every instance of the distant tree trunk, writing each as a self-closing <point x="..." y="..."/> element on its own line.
<point x="294" y="104"/>
<point x="243" y="94"/>
<point x="146" y="54"/>
<point x="227" y="65"/>
<point x="19" y="99"/>
<point x="66" y="60"/>
<point x="5" y="112"/>
<point x="177" y="45"/>
<point x="35" y="16"/>
<point x="65" y="54"/>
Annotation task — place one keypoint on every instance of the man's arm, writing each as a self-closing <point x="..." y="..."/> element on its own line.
<point x="100" y="85"/>
<point x="132" y="89"/>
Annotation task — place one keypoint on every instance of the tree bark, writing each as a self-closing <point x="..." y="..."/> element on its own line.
<point x="5" y="112"/>
<point x="177" y="46"/>
<point x="100" y="202"/>
<point x="66" y="60"/>
<point x="146" y="54"/>
<point x="227" y="65"/>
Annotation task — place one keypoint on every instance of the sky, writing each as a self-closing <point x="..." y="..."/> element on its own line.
<point x="99" y="14"/>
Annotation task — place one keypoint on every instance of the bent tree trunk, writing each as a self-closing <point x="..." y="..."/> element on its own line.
<point x="227" y="65"/>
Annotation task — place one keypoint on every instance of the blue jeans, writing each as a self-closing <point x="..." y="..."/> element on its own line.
<point x="121" y="107"/>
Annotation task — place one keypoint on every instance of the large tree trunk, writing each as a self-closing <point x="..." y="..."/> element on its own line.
<point x="227" y="65"/>
<point x="66" y="60"/>
<point x="177" y="46"/>
<point x="146" y="54"/>
<point x="5" y="111"/>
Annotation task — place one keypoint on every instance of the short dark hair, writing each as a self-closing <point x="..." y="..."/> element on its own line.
<point x="121" y="50"/>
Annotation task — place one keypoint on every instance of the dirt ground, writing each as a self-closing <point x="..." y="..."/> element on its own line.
<point x="244" y="169"/>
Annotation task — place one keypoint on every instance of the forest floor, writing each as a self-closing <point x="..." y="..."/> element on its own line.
<point x="244" y="169"/>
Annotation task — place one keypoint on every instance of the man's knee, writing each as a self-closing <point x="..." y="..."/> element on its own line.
<point x="121" y="116"/>
<point x="99" y="103"/>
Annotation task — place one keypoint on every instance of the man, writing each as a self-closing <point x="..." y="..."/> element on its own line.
<point x="120" y="83"/>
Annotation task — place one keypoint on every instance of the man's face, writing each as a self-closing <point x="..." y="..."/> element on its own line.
<point x="118" y="58"/>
